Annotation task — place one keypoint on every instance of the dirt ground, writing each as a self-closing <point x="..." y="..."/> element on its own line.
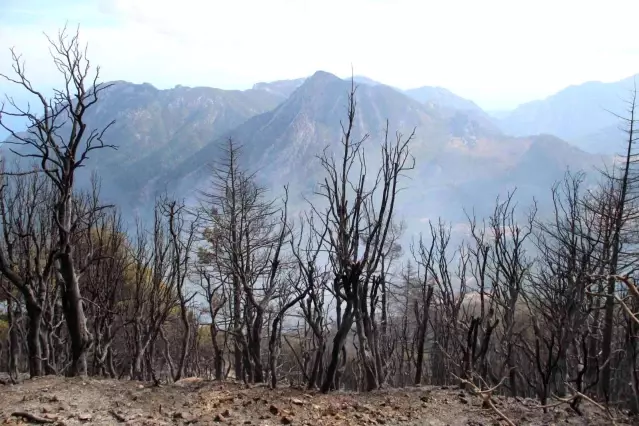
<point x="63" y="401"/>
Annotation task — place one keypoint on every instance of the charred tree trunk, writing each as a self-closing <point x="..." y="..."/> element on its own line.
<point x="13" y="313"/>
<point x="274" y="351"/>
<point x="238" y="347"/>
<point x="34" y="312"/>
<point x="76" y="321"/>
<point x="186" y="339"/>
<point x="255" y="347"/>
<point x="316" y="368"/>
<point x="218" y="362"/>
<point x="422" y="327"/>
<point x="338" y="346"/>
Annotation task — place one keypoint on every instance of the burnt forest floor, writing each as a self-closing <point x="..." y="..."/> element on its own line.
<point x="65" y="401"/>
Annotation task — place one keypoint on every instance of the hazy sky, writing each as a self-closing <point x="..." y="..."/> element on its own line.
<point x="496" y="52"/>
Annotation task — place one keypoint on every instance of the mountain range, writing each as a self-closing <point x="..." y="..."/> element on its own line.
<point x="465" y="158"/>
<point x="586" y="115"/>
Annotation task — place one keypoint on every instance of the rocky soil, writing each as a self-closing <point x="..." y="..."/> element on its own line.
<point x="64" y="401"/>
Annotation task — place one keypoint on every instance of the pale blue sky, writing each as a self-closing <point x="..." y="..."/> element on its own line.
<point x="498" y="53"/>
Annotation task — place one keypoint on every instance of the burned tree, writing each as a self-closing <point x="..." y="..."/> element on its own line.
<point x="358" y="219"/>
<point x="27" y="254"/>
<point x="621" y="197"/>
<point x="214" y="285"/>
<point x="59" y="139"/>
<point x="153" y="291"/>
<point x="557" y="296"/>
<point x="422" y="305"/>
<point x="510" y="270"/>
<point x="248" y="236"/>
<point x="312" y="290"/>
<point x="482" y="324"/>
<point x="104" y="285"/>
<point x="182" y="234"/>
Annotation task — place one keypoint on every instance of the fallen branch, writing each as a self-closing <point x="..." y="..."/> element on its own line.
<point x="590" y="400"/>
<point x="120" y="417"/>
<point x="32" y="417"/>
<point x="487" y="397"/>
<point x="575" y="396"/>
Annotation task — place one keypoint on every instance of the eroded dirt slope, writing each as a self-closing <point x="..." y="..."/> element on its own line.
<point x="64" y="401"/>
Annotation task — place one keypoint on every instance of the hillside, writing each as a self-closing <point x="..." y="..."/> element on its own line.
<point x="309" y="120"/>
<point x="584" y="115"/>
<point x="462" y="161"/>
<point x="155" y="130"/>
<point x="58" y="400"/>
<point x="441" y="96"/>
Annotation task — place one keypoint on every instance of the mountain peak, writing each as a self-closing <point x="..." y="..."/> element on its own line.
<point x="323" y="76"/>
<point x="320" y="82"/>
